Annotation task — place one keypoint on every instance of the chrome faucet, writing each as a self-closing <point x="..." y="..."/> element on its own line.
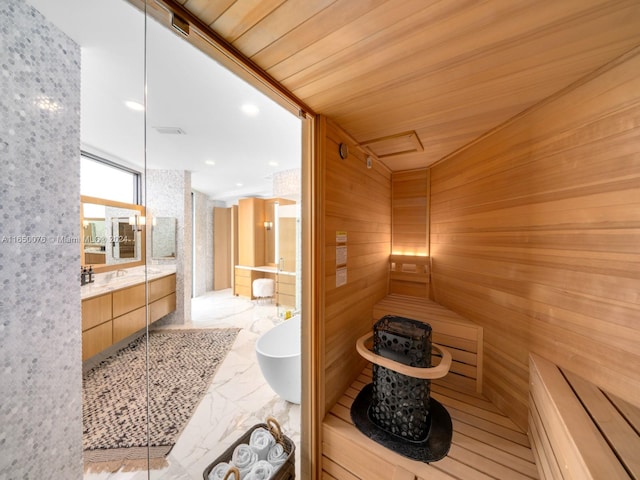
<point x="121" y="273"/>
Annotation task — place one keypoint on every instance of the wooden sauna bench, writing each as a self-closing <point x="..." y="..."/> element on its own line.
<point x="460" y="336"/>
<point x="579" y="431"/>
<point x="486" y="443"/>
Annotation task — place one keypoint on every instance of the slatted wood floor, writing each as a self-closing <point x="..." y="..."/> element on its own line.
<point x="486" y="443"/>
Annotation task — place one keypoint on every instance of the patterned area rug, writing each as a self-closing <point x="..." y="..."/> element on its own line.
<point x="182" y="364"/>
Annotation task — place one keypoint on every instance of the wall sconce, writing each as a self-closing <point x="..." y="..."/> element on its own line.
<point x="137" y="221"/>
<point x="268" y="225"/>
<point x="85" y="223"/>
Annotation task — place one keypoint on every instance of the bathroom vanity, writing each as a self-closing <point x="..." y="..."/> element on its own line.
<point x="114" y="309"/>
<point x="285" y="282"/>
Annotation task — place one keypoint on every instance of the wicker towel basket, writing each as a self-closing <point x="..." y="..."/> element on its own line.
<point x="286" y="471"/>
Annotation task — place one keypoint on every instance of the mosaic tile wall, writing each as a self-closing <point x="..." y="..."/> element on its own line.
<point x="168" y="194"/>
<point x="40" y="342"/>
<point x="211" y="204"/>
<point x="203" y="231"/>
<point x="288" y="184"/>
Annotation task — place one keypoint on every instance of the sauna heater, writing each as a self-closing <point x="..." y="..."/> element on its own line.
<point x="396" y="409"/>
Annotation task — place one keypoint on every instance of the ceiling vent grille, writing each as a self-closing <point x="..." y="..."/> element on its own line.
<point x="394" y="145"/>
<point x="170" y="130"/>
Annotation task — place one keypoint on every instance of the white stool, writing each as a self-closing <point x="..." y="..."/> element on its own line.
<point x="263" y="288"/>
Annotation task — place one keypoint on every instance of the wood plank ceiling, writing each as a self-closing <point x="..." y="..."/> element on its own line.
<point x="450" y="70"/>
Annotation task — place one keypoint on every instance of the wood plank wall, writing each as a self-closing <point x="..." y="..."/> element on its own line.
<point x="356" y="200"/>
<point x="535" y="235"/>
<point x="410" y="223"/>
<point x="410" y="233"/>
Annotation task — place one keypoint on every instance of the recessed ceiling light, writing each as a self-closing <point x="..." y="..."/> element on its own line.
<point x="138" y="107"/>
<point x="250" y="109"/>
<point x="209" y="162"/>
<point x="273" y="164"/>
<point x="239" y="184"/>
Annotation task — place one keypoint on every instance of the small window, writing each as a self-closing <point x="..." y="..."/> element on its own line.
<point x="104" y="179"/>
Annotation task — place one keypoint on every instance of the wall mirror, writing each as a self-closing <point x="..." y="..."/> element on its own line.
<point x="163" y="238"/>
<point x="112" y="234"/>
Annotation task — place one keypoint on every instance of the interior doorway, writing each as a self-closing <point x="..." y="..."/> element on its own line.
<point x="174" y="184"/>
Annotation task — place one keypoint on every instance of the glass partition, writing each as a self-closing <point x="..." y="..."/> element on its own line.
<point x="148" y="105"/>
<point x="206" y="124"/>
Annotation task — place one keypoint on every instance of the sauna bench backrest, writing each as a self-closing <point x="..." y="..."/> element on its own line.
<point x="460" y="336"/>
<point x="576" y="430"/>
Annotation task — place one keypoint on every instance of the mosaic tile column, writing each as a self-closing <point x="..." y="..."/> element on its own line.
<point x="203" y="230"/>
<point x="169" y="195"/>
<point x="40" y="334"/>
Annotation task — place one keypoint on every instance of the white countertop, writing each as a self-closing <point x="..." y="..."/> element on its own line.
<point x="266" y="269"/>
<point x="123" y="278"/>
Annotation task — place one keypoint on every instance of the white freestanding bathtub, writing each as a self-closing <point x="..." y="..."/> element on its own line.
<point x="278" y="351"/>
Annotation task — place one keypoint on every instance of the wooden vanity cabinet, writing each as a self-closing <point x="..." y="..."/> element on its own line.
<point x="129" y="314"/>
<point x="128" y="299"/>
<point x="114" y="316"/>
<point x="95" y="311"/>
<point x="243" y="280"/>
<point x="96" y="325"/>
<point x="129" y="323"/>
<point x="286" y="291"/>
<point x="97" y="339"/>
<point x="162" y="297"/>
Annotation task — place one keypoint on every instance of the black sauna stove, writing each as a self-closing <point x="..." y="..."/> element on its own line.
<point x="396" y="410"/>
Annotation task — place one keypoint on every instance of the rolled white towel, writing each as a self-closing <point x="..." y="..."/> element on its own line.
<point x="261" y="441"/>
<point x="277" y="455"/>
<point x="244" y="458"/>
<point x="219" y="471"/>
<point x="262" y="470"/>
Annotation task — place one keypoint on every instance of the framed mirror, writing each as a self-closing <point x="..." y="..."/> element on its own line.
<point x="163" y="238"/>
<point x="112" y="234"/>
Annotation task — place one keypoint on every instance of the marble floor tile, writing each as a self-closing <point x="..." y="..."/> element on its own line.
<point x="237" y="399"/>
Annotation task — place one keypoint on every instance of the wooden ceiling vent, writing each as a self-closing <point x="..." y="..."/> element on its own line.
<point x="394" y="145"/>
